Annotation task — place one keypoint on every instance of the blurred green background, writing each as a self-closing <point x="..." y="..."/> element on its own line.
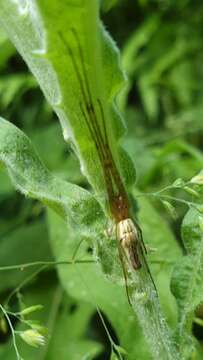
<point x="161" y="44"/>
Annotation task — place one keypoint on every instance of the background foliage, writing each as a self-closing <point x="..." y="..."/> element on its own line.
<point x="162" y="49"/>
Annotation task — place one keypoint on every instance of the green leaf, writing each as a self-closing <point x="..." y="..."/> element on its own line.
<point x="29" y="175"/>
<point x="152" y="72"/>
<point x="158" y="235"/>
<point x="67" y="329"/>
<point x="6" y="187"/>
<point x="187" y="285"/>
<point x="53" y="55"/>
<point x="31" y="309"/>
<point x="170" y="208"/>
<point x="108" y="4"/>
<point x="12" y="85"/>
<point x="130" y="54"/>
<point x="86" y="282"/>
<point x="139" y="39"/>
<point x="6" y="49"/>
<point x="32" y="239"/>
<point x="79" y="208"/>
<point x="3" y="325"/>
<point x="191" y="191"/>
<point x="80" y="279"/>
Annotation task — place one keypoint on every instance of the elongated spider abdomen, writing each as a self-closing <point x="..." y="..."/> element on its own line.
<point x="128" y="236"/>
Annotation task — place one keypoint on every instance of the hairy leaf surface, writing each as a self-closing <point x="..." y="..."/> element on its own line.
<point x="187" y="277"/>
<point x="61" y="57"/>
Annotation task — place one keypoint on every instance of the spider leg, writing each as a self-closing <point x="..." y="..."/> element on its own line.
<point x="124" y="272"/>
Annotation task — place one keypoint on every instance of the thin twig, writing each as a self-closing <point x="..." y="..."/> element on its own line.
<point x="12" y="332"/>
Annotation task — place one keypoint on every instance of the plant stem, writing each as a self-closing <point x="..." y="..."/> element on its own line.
<point x="46" y="263"/>
<point x="12" y="332"/>
<point x="148" y="311"/>
<point x="58" y="294"/>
